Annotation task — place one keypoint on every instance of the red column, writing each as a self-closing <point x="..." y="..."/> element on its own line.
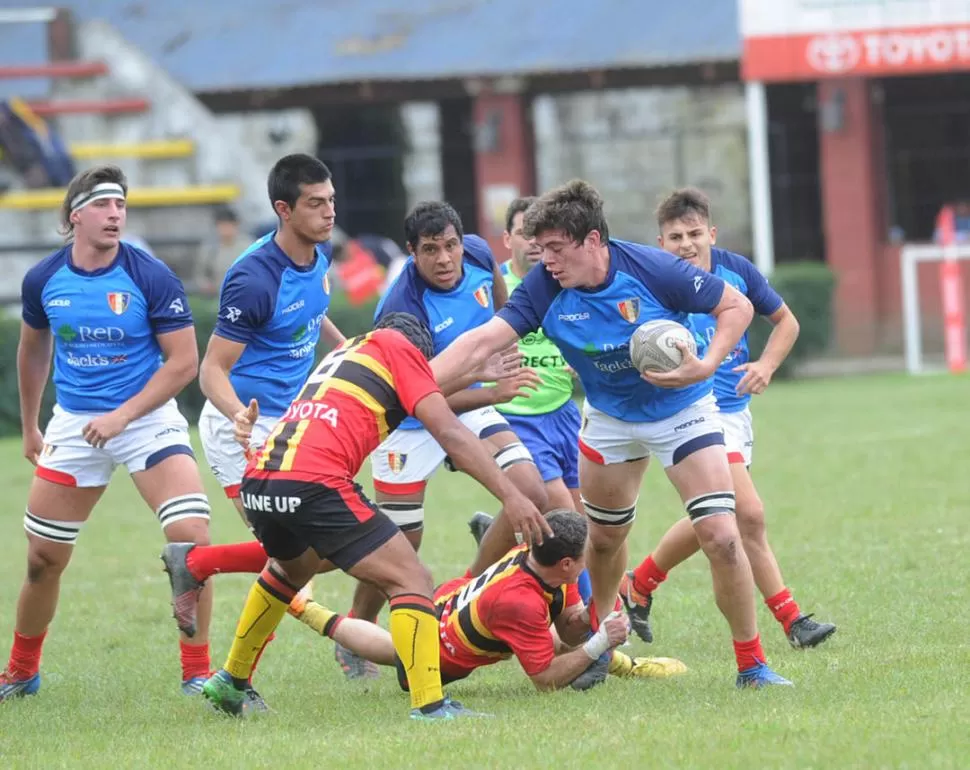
<point x="504" y="160"/>
<point x="850" y="135"/>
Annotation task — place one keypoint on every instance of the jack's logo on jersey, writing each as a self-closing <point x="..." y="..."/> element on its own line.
<point x="118" y="301"/>
<point x="396" y="461"/>
<point x="481" y="295"/>
<point x="629" y="309"/>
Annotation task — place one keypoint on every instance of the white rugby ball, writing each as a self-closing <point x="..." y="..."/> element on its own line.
<point x="653" y="346"/>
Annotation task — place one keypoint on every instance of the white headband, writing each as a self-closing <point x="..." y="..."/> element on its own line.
<point x="98" y="192"/>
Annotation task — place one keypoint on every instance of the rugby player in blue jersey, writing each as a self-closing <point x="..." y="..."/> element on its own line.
<point x="591" y="295"/>
<point x="684" y="219"/>
<point x="123" y="347"/>
<point x="451" y="284"/>
<point x="272" y="311"/>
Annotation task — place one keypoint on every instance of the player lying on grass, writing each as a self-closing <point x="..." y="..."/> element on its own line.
<point x="304" y="506"/>
<point x="516" y="607"/>
<point x="685" y="225"/>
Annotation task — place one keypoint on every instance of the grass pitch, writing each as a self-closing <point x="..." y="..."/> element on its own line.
<point x="867" y="489"/>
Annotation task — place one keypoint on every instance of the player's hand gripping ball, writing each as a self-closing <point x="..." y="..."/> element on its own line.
<point x="653" y="346"/>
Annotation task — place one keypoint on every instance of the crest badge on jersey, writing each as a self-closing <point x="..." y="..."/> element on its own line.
<point x="118" y="301"/>
<point x="481" y="295"/>
<point x="396" y="461"/>
<point x="629" y="309"/>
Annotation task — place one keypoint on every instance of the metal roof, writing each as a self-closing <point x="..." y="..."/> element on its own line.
<point x="214" y="45"/>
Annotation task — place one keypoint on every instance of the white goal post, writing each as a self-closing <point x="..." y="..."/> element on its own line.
<point x="909" y="259"/>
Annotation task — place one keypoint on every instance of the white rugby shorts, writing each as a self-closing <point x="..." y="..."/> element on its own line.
<point x="225" y="456"/>
<point x="70" y="460"/>
<point x="606" y="440"/>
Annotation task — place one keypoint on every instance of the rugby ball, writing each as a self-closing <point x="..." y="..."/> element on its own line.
<point x="653" y="346"/>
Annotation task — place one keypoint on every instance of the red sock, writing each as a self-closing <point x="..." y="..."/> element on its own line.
<point x="648" y="576"/>
<point x="260" y="655"/>
<point x="784" y="608"/>
<point x="749" y="654"/>
<point x="195" y="660"/>
<point x="594" y="621"/>
<point x="25" y="655"/>
<point x="204" y="561"/>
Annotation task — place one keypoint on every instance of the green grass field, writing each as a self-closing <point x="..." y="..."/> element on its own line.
<point x="866" y="484"/>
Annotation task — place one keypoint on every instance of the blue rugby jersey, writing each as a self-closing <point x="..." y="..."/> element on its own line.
<point x="275" y="308"/>
<point x="104" y="323"/>
<point x="745" y="277"/>
<point x="448" y="314"/>
<point x="592" y="327"/>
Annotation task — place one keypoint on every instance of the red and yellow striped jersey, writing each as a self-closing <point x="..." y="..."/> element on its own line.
<point x="354" y="398"/>
<point x="505" y="611"/>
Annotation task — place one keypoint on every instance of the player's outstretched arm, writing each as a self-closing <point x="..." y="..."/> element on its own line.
<point x="758" y="374"/>
<point x="33" y="366"/>
<point x="221" y="355"/>
<point x="472" y="349"/>
<point x="565" y="668"/>
<point x="469" y="455"/>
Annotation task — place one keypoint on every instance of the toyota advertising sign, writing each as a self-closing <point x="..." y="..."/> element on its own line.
<point x="786" y="40"/>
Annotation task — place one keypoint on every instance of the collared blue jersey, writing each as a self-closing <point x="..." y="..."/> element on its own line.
<point x="104" y="323"/>
<point x="448" y="314"/>
<point x="745" y="277"/>
<point x="592" y="327"/>
<point x="275" y="308"/>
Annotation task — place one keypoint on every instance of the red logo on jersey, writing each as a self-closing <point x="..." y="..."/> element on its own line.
<point x="481" y="295"/>
<point x="396" y="460"/>
<point x="629" y="309"/>
<point x="118" y="301"/>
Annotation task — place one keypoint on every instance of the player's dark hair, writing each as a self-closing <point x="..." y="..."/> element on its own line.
<point x="84" y="182"/>
<point x="576" y="208"/>
<point x="685" y="203"/>
<point x="417" y="333"/>
<point x="428" y="219"/>
<point x="569" y="542"/>
<point x="292" y="171"/>
<point x="515" y="207"/>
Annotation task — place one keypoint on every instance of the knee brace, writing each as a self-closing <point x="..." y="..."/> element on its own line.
<point x="191" y="506"/>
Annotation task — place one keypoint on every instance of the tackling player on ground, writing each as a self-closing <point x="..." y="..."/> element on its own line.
<point x="123" y="347"/>
<point x="300" y="496"/>
<point x="685" y="225"/>
<point x="589" y="298"/>
<point x="507" y="611"/>
<point x="451" y="284"/>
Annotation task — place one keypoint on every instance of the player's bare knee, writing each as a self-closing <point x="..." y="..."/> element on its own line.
<point x="751" y="523"/>
<point x="46" y="562"/>
<point x="719" y="538"/>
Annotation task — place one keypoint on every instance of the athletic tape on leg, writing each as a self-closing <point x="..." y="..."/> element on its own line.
<point x="710" y="504"/>
<point x="65" y="532"/>
<point x="610" y="517"/>
<point x="191" y="506"/>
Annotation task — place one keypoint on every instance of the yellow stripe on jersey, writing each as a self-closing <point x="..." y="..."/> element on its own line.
<point x="293" y="444"/>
